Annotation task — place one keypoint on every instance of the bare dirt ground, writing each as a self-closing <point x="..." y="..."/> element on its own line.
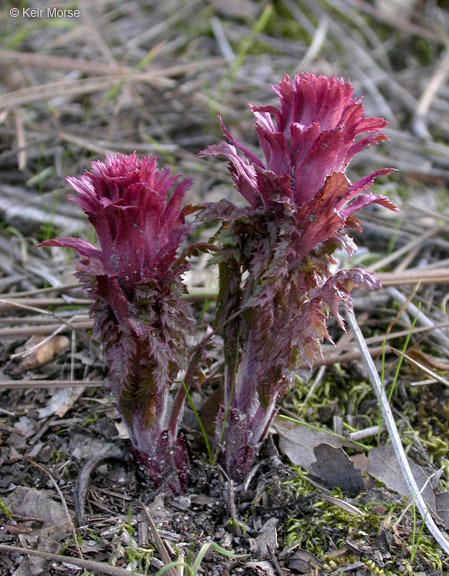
<point x="113" y="76"/>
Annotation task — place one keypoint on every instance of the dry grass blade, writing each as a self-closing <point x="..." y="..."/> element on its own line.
<point x="317" y="42"/>
<point x="30" y="303"/>
<point x="114" y="147"/>
<point x="404" y="249"/>
<point x="436" y="276"/>
<point x="45" y="329"/>
<point x="48" y="62"/>
<point x="64" y="504"/>
<point x="435" y="83"/>
<point x="21" y="140"/>
<point x="38" y="319"/>
<point x="91" y="565"/>
<point x="436" y="377"/>
<point x="36" y="384"/>
<point x="91" y="85"/>
<point x="409" y="505"/>
<point x="395" y="438"/>
<point x="8" y="301"/>
<point x="401" y="333"/>
<point x="159" y="542"/>
<point x="346" y="506"/>
<point x="338" y="357"/>
<point x="421" y="317"/>
<point x="60" y="288"/>
<point x="398" y="22"/>
<point x="62" y="89"/>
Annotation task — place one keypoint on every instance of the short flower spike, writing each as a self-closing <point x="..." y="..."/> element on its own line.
<point x="126" y="199"/>
<point x="135" y="280"/>
<point x="314" y="133"/>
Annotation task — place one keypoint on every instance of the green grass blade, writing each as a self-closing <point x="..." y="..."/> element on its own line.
<point x="168" y="567"/>
<point x="217" y="548"/>
<point x="201" y="424"/>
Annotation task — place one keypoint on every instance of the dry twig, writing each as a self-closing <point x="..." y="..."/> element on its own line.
<point x="92" y="565"/>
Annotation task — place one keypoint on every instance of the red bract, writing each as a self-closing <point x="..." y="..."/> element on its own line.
<point x="276" y="256"/>
<point x="140" y="315"/>
<point x="314" y="133"/>
<point x="139" y="229"/>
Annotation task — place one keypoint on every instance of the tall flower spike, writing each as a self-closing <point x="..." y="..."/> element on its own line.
<point x="137" y="305"/>
<point x="277" y="254"/>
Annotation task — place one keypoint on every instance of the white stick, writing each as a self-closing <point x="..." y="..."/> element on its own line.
<point x="395" y="438"/>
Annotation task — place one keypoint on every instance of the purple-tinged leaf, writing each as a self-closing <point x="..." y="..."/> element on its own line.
<point x="367" y="200"/>
<point x="81" y="246"/>
<point x="250" y="156"/>
<point x="242" y="172"/>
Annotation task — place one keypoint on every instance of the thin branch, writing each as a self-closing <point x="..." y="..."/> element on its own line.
<point x="92" y="565"/>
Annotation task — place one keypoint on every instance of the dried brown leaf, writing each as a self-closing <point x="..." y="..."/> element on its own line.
<point x="442" y="502"/>
<point x="334" y="467"/>
<point x="41" y="353"/>
<point x="383" y="466"/>
<point x="298" y="442"/>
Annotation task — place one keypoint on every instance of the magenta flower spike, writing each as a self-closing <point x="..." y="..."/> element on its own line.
<point x="139" y="314"/>
<point x="277" y="253"/>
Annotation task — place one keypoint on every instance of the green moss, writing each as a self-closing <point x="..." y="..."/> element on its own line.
<point x="326" y="528"/>
<point x="91" y="419"/>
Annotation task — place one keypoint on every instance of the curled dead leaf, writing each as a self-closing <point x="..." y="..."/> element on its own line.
<point x="39" y="350"/>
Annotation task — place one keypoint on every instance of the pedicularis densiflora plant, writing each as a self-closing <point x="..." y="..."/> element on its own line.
<point x="276" y="254"/>
<point x="275" y="258"/>
<point x="139" y="314"/>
